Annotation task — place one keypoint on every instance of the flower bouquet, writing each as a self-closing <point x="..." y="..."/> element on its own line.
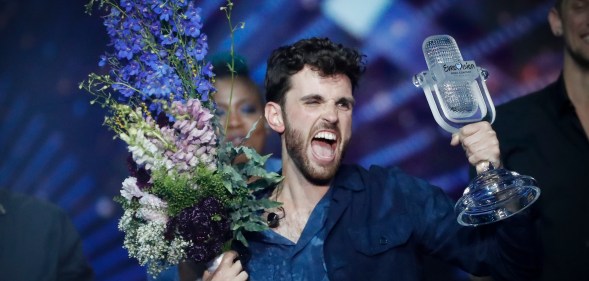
<point x="185" y="198"/>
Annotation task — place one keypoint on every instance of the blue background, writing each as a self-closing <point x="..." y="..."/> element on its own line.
<point x="52" y="144"/>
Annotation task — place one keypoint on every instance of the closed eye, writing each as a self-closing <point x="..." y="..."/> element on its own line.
<point x="248" y="109"/>
<point x="345" y="104"/>
<point x="578" y="5"/>
<point x="312" y="100"/>
<point x="220" y="111"/>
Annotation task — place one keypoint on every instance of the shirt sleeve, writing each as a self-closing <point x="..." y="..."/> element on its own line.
<point x="506" y="250"/>
<point x="72" y="263"/>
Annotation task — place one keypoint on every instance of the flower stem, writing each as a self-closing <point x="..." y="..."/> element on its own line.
<point x="228" y="10"/>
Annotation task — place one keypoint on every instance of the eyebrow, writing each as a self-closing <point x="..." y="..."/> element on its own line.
<point x="309" y="97"/>
<point x="312" y="97"/>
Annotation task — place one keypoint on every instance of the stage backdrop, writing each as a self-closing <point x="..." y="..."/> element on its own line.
<point x="52" y="144"/>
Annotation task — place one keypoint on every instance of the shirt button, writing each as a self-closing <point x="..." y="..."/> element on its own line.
<point x="383" y="240"/>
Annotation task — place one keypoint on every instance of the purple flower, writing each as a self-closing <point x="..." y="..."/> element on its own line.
<point x="206" y="224"/>
<point x="140" y="174"/>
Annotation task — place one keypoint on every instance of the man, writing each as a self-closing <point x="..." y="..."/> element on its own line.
<point x="343" y="222"/>
<point x="38" y="242"/>
<point x="545" y="135"/>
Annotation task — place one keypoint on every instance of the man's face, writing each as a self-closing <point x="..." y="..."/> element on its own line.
<point x="318" y="123"/>
<point x="573" y="24"/>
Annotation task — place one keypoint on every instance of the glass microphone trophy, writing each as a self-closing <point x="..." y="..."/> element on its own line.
<point x="457" y="95"/>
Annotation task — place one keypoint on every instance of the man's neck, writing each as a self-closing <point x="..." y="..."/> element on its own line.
<point x="299" y="192"/>
<point x="576" y="80"/>
<point x="299" y="197"/>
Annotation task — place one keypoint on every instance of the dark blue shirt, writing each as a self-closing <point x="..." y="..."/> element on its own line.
<point x="274" y="257"/>
<point x="381" y="223"/>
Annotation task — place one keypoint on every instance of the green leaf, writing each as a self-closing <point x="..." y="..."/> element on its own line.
<point x="239" y="236"/>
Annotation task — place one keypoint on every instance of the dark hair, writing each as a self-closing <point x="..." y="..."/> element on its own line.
<point x="558" y="5"/>
<point x="221" y="62"/>
<point x="320" y="54"/>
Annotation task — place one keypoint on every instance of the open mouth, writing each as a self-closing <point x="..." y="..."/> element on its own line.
<point x="323" y="145"/>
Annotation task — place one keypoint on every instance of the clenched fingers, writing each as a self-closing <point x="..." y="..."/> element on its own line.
<point x="480" y="144"/>
<point x="230" y="268"/>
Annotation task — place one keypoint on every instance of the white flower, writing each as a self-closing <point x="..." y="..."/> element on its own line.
<point x="153" y="214"/>
<point x="153" y="209"/>
<point x="147" y="245"/>
<point x="130" y="189"/>
<point x="150" y="200"/>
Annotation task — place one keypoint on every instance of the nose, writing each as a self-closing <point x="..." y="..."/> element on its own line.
<point x="330" y="113"/>
<point x="235" y="119"/>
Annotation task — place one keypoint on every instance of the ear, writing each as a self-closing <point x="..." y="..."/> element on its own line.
<point x="555" y="22"/>
<point x="273" y="114"/>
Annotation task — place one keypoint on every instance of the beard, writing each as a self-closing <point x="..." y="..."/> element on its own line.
<point x="580" y="59"/>
<point x="295" y="147"/>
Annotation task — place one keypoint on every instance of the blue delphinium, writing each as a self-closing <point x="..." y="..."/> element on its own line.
<point x="158" y="51"/>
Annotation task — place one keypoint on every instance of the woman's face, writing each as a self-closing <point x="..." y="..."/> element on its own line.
<point x="246" y="108"/>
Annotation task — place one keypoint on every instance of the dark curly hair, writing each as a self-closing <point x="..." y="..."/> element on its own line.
<point x="320" y="54"/>
<point x="558" y="5"/>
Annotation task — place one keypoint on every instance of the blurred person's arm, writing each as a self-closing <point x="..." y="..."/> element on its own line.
<point x="72" y="264"/>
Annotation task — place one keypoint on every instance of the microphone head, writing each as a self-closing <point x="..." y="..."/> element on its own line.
<point x="440" y="49"/>
<point x="457" y="96"/>
<point x="455" y="89"/>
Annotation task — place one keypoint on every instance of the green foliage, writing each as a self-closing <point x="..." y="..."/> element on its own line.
<point x="126" y="204"/>
<point x="183" y="191"/>
<point x="243" y="180"/>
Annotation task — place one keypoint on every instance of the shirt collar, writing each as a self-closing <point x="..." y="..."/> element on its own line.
<point x="348" y="178"/>
<point x="561" y="99"/>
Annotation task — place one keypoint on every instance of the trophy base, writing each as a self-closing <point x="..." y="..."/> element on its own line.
<point x="495" y="195"/>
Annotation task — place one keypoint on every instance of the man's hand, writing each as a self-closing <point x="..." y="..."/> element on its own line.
<point x="480" y="143"/>
<point x="229" y="269"/>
